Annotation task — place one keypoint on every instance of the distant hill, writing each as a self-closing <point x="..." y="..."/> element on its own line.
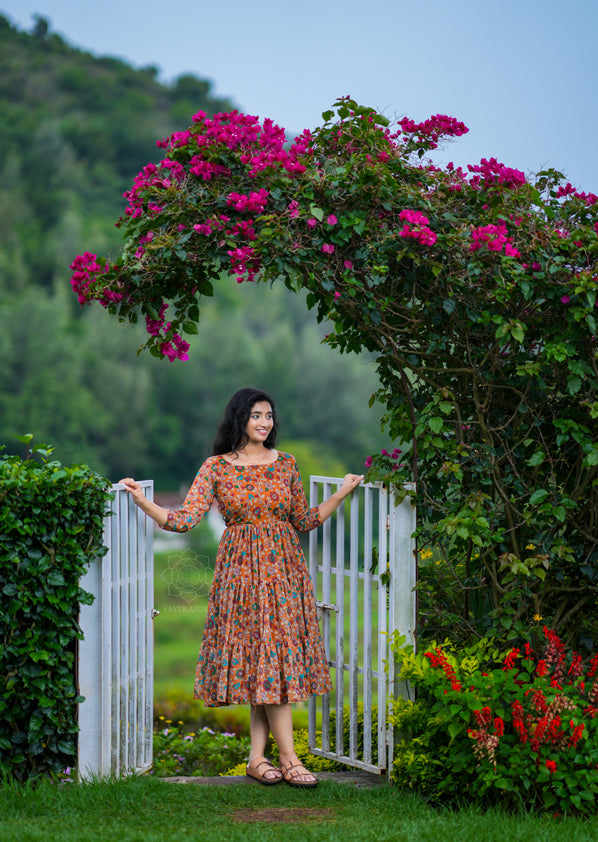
<point x="76" y="128"/>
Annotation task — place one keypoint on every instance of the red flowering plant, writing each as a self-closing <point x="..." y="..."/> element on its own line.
<point x="515" y="729"/>
<point x="475" y="289"/>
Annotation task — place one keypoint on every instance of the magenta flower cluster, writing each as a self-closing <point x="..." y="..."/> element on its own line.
<point x="173" y="348"/>
<point x="416" y="226"/>
<point x="432" y="129"/>
<point x="495" y="238"/>
<point x="384" y="452"/>
<point x="85" y="271"/>
<point x="492" y="171"/>
<point x="569" y="190"/>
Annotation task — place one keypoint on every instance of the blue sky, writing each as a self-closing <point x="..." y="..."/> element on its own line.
<point x="521" y="74"/>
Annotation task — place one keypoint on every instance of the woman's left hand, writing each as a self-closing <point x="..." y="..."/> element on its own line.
<point x="350" y="483"/>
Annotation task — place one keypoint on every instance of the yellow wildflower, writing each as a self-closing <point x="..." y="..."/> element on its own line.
<point x="537" y="618"/>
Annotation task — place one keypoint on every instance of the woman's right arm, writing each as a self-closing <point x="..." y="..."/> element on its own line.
<point x="157" y="513"/>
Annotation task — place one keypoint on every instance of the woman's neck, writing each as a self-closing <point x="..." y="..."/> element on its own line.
<point x="251" y="454"/>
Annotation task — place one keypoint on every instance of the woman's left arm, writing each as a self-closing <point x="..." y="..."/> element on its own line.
<point x="350" y="483"/>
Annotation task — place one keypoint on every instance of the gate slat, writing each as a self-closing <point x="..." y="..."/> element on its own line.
<point x="354" y="626"/>
<point x="340" y="628"/>
<point x="367" y="623"/>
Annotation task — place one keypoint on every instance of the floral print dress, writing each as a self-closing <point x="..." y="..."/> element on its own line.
<point x="262" y="643"/>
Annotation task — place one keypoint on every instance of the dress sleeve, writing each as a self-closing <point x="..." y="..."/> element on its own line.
<point x="302" y="517"/>
<point x="197" y="502"/>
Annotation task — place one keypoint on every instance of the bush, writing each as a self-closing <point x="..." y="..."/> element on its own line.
<point x="205" y="752"/>
<point x="51" y="520"/>
<point x="512" y="729"/>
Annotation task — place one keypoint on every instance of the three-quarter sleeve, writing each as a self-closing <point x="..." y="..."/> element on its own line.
<point x="197" y="502"/>
<point x="302" y="517"/>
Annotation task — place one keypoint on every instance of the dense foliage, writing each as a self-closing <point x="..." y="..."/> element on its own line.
<point x="52" y="526"/>
<point x="514" y="729"/>
<point x="197" y="753"/>
<point x="477" y="292"/>
<point x="75" y="128"/>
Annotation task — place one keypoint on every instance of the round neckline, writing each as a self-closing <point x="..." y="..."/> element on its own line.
<point x="253" y="464"/>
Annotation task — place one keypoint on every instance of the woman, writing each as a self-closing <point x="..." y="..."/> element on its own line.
<point x="262" y="643"/>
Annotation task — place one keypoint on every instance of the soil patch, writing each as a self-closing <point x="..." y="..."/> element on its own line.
<point x="283" y="814"/>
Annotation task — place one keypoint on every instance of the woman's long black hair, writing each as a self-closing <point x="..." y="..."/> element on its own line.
<point x="231" y="435"/>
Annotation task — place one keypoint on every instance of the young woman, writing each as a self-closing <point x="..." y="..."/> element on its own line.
<point x="262" y="644"/>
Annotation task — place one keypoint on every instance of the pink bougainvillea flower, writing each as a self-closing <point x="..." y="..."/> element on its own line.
<point x="328" y="248"/>
<point x="332" y="220"/>
<point x="312" y="222"/>
<point x="348" y="264"/>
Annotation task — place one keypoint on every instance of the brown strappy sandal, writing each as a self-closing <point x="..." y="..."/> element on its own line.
<point x="260" y="777"/>
<point x="290" y="771"/>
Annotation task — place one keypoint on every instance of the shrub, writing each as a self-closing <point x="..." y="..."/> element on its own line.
<point x="204" y="752"/>
<point x="51" y="520"/>
<point x="514" y="729"/>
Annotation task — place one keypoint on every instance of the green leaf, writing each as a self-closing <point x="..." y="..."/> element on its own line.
<point x="436" y="424"/>
<point x="449" y="305"/>
<point x="316" y="212"/>
<point x="538" y="497"/>
<point x="573" y="384"/>
<point x="536" y="459"/>
<point x="24" y="439"/>
<point x="190" y="327"/>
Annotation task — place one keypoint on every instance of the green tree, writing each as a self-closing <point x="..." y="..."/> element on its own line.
<point x="476" y="291"/>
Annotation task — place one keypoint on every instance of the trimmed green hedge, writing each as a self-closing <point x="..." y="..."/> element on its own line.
<point x="51" y="520"/>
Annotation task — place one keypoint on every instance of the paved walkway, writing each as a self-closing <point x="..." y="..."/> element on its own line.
<point x="354" y="777"/>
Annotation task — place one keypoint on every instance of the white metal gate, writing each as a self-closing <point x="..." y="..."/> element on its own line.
<point x="116" y="655"/>
<point x="374" y="591"/>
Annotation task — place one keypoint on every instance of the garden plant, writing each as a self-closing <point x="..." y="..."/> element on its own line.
<point x="476" y="291"/>
<point x="514" y="730"/>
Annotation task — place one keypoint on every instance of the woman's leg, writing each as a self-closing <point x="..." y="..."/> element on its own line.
<point x="259" y="729"/>
<point x="280" y="719"/>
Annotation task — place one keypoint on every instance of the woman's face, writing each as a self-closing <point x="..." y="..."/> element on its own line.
<point x="260" y="422"/>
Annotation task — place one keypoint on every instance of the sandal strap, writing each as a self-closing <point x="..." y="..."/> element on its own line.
<point x="291" y="769"/>
<point x="256" y="767"/>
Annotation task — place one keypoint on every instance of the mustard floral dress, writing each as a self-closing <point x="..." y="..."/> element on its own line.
<point x="262" y="643"/>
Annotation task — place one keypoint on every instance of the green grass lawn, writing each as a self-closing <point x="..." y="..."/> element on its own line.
<point x="147" y="810"/>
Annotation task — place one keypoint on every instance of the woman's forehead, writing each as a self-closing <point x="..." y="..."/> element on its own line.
<point x="261" y="406"/>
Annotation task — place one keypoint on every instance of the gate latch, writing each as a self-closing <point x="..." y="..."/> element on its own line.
<point x="326" y="606"/>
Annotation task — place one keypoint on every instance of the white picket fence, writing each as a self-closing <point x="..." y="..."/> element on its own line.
<point x="362" y="602"/>
<point x="116" y="656"/>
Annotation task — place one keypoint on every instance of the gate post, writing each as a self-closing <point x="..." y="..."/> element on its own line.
<point x="403" y="601"/>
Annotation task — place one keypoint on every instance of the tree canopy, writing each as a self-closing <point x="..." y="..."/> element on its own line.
<point x="476" y="291"/>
